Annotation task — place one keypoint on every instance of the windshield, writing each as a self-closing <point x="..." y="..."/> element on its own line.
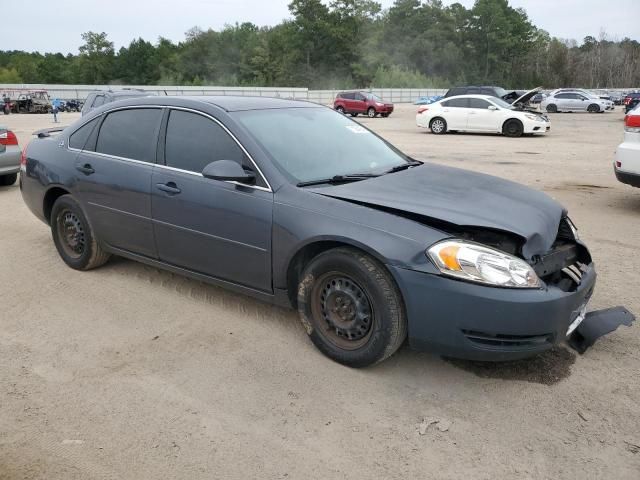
<point x="309" y="144"/>
<point x="375" y="98"/>
<point x="501" y="103"/>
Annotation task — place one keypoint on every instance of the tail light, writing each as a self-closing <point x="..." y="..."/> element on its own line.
<point x="7" y="137"/>
<point x="632" y="123"/>
<point x="422" y="109"/>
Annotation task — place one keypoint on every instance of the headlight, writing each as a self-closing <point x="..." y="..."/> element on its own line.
<point x="477" y="263"/>
<point x="531" y="116"/>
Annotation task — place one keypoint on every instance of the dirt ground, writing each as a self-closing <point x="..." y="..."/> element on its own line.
<point x="128" y="372"/>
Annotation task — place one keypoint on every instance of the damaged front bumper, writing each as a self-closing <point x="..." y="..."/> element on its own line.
<point x="471" y="321"/>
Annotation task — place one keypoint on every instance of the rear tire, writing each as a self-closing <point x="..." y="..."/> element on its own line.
<point x="340" y="110"/>
<point x="354" y="114"/>
<point x="351" y="307"/>
<point x="73" y="237"/>
<point x="552" y="108"/>
<point x="513" y="128"/>
<point x="371" y="112"/>
<point x="438" y="125"/>
<point x="7" y="180"/>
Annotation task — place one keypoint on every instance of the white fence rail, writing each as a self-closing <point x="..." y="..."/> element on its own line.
<point x="80" y="92"/>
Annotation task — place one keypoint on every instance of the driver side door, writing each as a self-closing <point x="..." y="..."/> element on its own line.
<point x="218" y="228"/>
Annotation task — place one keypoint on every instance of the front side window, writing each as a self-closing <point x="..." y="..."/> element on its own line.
<point x="130" y="133"/>
<point x="193" y="141"/>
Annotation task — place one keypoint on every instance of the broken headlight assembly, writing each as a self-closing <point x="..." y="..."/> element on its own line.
<point x="477" y="263"/>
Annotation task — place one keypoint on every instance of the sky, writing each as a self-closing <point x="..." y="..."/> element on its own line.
<point x="55" y="26"/>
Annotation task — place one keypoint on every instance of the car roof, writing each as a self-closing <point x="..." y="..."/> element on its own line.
<point x="471" y="95"/>
<point x="229" y="103"/>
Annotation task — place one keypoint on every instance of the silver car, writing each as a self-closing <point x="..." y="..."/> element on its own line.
<point x="563" y="101"/>
<point x="10" y="153"/>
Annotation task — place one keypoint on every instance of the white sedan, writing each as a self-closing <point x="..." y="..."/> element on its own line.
<point x="482" y="113"/>
<point x="627" y="162"/>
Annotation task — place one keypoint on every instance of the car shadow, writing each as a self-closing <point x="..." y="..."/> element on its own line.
<point x="547" y="368"/>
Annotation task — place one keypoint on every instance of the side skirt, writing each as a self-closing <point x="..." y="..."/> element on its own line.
<point x="280" y="297"/>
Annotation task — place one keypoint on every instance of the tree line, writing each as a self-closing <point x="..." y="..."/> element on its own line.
<point x="349" y="44"/>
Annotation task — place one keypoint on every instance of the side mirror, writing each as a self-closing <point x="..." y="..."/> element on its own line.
<point x="492" y="107"/>
<point x="228" y="170"/>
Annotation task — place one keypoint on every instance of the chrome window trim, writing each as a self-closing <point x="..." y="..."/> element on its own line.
<point x="129" y="107"/>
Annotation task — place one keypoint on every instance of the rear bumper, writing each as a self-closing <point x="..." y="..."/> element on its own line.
<point x="476" y="322"/>
<point x="10" y="160"/>
<point x="632" y="179"/>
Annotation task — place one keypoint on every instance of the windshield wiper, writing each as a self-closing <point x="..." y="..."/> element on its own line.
<point x="353" y="177"/>
<point x="403" y="166"/>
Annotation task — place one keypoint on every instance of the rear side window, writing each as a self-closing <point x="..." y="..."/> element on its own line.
<point x="349" y="96"/>
<point x="478" y="103"/>
<point x="458" y="103"/>
<point x="130" y="134"/>
<point x="98" y="102"/>
<point x="78" y="139"/>
<point x="193" y="141"/>
<point x="563" y="95"/>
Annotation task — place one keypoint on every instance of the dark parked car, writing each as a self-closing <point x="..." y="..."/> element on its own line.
<point x="630" y="101"/>
<point x="99" y="98"/>
<point x="294" y="204"/>
<point x="506" y="95"/>
<point x="355" y="103"/>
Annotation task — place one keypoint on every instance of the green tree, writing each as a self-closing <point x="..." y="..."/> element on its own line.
<point x="96" y="58"/>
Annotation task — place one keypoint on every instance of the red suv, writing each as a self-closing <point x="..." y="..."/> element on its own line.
<point x="354" y="103"/>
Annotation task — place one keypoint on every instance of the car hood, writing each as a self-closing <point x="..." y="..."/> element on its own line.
<point x="526" y="96"/>
<point x="462" y="198"/>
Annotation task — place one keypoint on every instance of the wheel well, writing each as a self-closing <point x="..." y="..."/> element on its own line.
<point x="302" y="258"/>
<point x="49" y="199"/>
<point x="512" y="120"/>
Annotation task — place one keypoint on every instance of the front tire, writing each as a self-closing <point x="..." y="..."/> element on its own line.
<point x="438" y="125"/>
<point x="593" y="108"/>
<point x="513" y="128"/>
<point x="351" y="307"/>
<point x="371" y="112"/>
<point x="7" y="180"/>
<point x="73" y="237"/>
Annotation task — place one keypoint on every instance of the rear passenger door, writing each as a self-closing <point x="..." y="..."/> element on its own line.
<point x="114" y="165"/>
<point x="455" y="113"/>
<point x="480" y="118"/>
<point x="217" y="228"/>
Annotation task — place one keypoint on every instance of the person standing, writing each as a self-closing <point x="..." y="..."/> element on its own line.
<point x="55" y="110"/>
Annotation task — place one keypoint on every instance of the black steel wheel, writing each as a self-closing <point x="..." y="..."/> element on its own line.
<point x="73" y="236"/>
<point x="351" y="307"/>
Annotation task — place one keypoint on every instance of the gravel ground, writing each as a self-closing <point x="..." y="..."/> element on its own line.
<point x="128" y="372"/>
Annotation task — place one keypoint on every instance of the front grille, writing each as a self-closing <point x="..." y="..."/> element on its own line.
<point x="508" y="341"/>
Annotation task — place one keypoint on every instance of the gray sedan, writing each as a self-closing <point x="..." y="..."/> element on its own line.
<point x="295" y="204"/>
<point x="9" y="156"/>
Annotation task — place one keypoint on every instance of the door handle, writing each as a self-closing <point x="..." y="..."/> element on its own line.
<point x="169" y="187"/>
<point x="85" y="168"/>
